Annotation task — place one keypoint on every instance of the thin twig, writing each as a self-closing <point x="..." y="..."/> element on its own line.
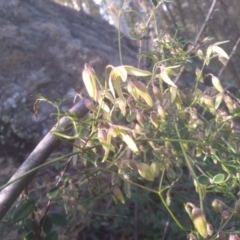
<point x="195" y="45"/>
<point x="230" y="56"/>
<point x="165" y="229"/>
<point x="206" y="21"/>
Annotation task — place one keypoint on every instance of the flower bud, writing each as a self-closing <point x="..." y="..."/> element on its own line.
<point x="90" y="105"/>
<point x="127" y="177"/>
<point x="138" y="128"/>
<point x="154" y="120"/>
<point x="216" y="83"/>
<point x="236" y="106"/>
<point x="146" y="171"/>
<point x="132" y="90"/>
<point x="199" y="75"/>
<point x="157" y="93"/>
<point x="216" y="205"/>
<point x="102" y="135"/>
<point x="209" y="103"/>
<point x="143" y="92"/>
<point x="199" y="221"/>
<point x="156" y="168"/>
<point x="209" y="229"/>
<point x="191" y="236"/>
<point x="233" y="237"/>
<point x="229" y="103"/>
<point x="118" y="194"/>
<point x="222" y="236"/>
<point x="89" y="76"/>
<point x="133" y="164"/>
<point x="161" y="113"/>
<point x="225" y="214"/>
<point x="200" y="54"/>
<point x="139" y="117"/>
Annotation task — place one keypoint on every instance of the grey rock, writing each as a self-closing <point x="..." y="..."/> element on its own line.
<point x="43" y="49"/>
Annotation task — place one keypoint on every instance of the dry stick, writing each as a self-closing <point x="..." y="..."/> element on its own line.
<point x="197" y="38"/>
<point x="230" y="56"/>
<point x="165" y="229"/>
<point x="38" y="156"/>
<point x="206" y="21"/>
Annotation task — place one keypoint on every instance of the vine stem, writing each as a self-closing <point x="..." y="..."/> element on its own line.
<point x="190" y="167"/>
<point x="165" y="204"/>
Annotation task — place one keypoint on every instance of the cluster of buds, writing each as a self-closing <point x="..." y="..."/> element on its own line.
<point x="194" y="120"/>
<point x="221" y="116"/>
<point x="221" y="208"/>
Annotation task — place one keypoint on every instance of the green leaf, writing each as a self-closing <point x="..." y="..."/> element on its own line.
<point x="53" y="192"/>
<point x="203" y="165"/>
<point x="131" y="117"/>
<point x="30" y="236"/>
<point x="203" y="180"/>
<point x="23" y="210"/>
<point x="51" y="236"/>
<point x="46" y="224"/>
<point x="219" y="178"/>
<point x="108" y="146"/>
<point x="29" y="225"/>
<point x="58" y="219"/>
<point x="117" y="115"/>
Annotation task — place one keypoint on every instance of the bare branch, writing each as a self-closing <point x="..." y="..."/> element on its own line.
<point x="206" y="21"/>
<point x="230" y="56"/>
<point x="195" y="46"/>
